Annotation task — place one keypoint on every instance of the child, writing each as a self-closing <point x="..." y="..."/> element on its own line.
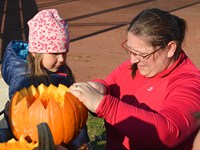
<point x="42" y="59"/>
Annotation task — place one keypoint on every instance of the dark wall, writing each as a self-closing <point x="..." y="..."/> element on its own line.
<point x="14" y="15"/>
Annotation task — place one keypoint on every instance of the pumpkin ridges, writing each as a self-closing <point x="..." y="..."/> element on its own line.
<point x="55" y="120"/>
<point x="36" y="109"/>
<point x="84" y="113"/>
<point x="16" y="98"/>
<point x="63" y="91"/>
<point x="71" y="99"/>
<point x="19" y="115"/>
<point x="53" y="112"/>
<point x="68" y="122"/>
<point x="12" y="106"/>
<point x="79" y="109"/>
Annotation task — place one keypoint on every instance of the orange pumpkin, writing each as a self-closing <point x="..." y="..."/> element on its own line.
<point x="22" y="144"/>
<point x="45" y="141"/>
<point x="62" y="111"/>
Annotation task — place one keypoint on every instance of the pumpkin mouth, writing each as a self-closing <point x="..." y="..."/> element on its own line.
<point x="28" y="139"/>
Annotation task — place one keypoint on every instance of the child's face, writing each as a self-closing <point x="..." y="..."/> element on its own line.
<point x="54" y="61"/>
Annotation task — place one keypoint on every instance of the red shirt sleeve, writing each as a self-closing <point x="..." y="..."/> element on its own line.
<point x="169" y="124"/>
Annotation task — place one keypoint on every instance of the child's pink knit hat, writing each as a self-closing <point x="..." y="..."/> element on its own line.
<point x="48" y="33"/>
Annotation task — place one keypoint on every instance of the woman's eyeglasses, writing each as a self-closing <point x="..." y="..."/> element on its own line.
<point x="145" y="57"/>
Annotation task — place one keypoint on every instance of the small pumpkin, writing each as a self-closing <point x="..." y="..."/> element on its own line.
<point x="22" y="144"/>
<point x="62" y="111"/>
<point x="45" y="141"/>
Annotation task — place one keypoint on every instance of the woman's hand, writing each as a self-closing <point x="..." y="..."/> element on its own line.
<point x="98" y="86"/>
<point x="87" y="94"/>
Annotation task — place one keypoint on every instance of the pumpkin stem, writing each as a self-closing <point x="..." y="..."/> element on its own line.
<point x="46" y="141"/>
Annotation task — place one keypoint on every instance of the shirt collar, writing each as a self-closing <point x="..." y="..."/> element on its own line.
<point x="167" y="71"/>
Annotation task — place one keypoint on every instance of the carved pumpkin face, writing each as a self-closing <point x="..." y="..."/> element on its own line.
<point x="62" y="111"/>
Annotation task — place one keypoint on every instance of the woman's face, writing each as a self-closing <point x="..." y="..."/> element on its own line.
<point x="150" y="60"/>
<point x="54" y="61"/>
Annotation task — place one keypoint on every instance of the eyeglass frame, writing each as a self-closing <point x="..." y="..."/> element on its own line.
<point x="145" y="57"/>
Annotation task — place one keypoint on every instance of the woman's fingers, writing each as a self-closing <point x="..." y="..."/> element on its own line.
<point x="88" y="95"/>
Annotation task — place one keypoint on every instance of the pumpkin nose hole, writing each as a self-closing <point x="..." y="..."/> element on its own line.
<point x="28" y="139"/>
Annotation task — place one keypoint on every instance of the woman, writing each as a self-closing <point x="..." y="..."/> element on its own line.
<point x="148" y="101"/>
